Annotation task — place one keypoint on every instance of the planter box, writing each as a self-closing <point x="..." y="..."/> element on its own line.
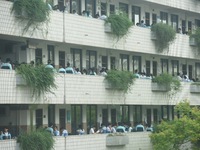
<point x="192" y="42"/>
<point x="153" y="36"/>
<point x="155" y="87"/>
<point x="194" y="88"/>
<point x="107" y="28"/>
<point x="20" y="81"/>
<point x="117" y="140"/>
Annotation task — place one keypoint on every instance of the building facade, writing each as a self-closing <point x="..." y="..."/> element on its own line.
<point x="83" y="42"/>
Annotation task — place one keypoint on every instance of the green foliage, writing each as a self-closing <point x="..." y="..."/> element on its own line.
<point x="164" y="35"/>
<point x="36" y="140"/>
<point x="33" y="11"/>
<point x="121" y="80"/>
<point x="120" y="24"/>
<point x="39" y="79"/>
<point x="168" y="80"/>
<point x="171" y="135"/>
<point x="196" y="36"/>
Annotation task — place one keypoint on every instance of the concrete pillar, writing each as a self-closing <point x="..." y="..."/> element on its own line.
<point x="131" y="115"/>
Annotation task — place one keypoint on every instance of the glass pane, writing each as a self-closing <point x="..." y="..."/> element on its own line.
<point x="75" y="6"/>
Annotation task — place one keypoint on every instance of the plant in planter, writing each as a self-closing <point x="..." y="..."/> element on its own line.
<point x="34" y="12"/>
<point x="195" y="87"/>
<point x="117" y="139"/>
<point x="120" y="80"/>
<point x="164" y="35"/>
<point x="36" y="140"/>
<point x="196" y="36"/>
<point x="168" y="81"/>
<point x="39" y="79"/>
<point x="120" y="24"/>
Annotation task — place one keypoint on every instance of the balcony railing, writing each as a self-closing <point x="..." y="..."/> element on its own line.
<point x="78" y="30"/>
<point x="87" y="89"/>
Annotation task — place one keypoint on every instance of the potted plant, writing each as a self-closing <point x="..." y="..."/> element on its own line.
<point x="164" y="34"/>
<point x="40" y="139"/>
<point x="195" y="87"/>
<point x="40" y="79"/>
<point x="119" y="24"/>
<point x="165" y="82"/>
<point x="34" y="12"/>
<point x="195" y="38"/>
<point x="119" y="80"/>
<point x="117" y="139"/>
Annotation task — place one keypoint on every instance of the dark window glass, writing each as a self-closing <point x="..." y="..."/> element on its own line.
<point x="38" y="56"/>
<point x="62" y="59"/>
<point x="103" y="9"/>
<point x="124" y="62"/>
<point x="136" y="14"/>
<point x="51" y="55"/>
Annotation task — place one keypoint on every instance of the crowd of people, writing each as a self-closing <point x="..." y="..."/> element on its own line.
<point x="109" y="128"/>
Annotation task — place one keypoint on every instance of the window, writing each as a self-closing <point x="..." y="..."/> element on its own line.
<point x="39" y="118"/>
<point x="175" y="67"/>
<point x="124" y="114"/>
<point x="38" y="56"/>
<point x="137" y="64"/>
<point x="174" y="22"/>
<point x="3" y="111"/>
<point x="164" y="17"/>
<point x="113" y="116"/>
<point x="75" y="5"/>
<point x="164" y="65"/>
<point x="91" y="116"/>
<point x="91" y="59"/>
<point x="165" y="112"/>
<point x="136" y="14"/>
<point x="154" y="18"/>
<point x="137" y="114"/>
<point x="147" y="19"/>
<point x="112" y="63"/>
<point x="104" y="60"/>
<point x="155" y="115"/>
<point x="155" y="68"/>
<point x="112" y="9"/>
<point x="183" y="26"/>
<point x="62" y="58"/>
<point x="51" y="55"/>
<point x="148" y="68"/>
<point x="76" y="117"/>
<point x="197" y="70"/>
<point x="90" y="6"/>
<point x="61" y="5"/>
<point x="124" y="62"/>
<point x="62" y="120"/>
<point x="123" y="7"/>
<point x="76" y="58"/>
<point x="105" y="116"/>
<point x="190" y="74"/>
<point x="103" y="9"/>
<point x="184" y="69"/>
<point x="189" y="26"/>
<point x="197" y="22"/>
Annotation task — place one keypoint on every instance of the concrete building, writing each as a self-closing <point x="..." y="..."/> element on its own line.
<point x="83" y="42"/>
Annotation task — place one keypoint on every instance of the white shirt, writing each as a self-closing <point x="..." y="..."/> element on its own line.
<point x="92" y="131"/>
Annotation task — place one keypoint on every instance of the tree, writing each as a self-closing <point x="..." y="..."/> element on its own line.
<point x="184" y="130"/>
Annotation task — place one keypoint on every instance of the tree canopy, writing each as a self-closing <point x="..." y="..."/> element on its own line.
<point x="180" y="133"/>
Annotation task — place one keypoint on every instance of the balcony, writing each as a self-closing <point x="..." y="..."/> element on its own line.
<point x="86" y="89"/>
<point x="84" y="31"/>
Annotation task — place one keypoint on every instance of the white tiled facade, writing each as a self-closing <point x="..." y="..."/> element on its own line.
<point x="77" y="99"/>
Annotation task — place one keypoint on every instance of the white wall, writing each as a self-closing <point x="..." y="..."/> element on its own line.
<point x="137" y="141"/>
